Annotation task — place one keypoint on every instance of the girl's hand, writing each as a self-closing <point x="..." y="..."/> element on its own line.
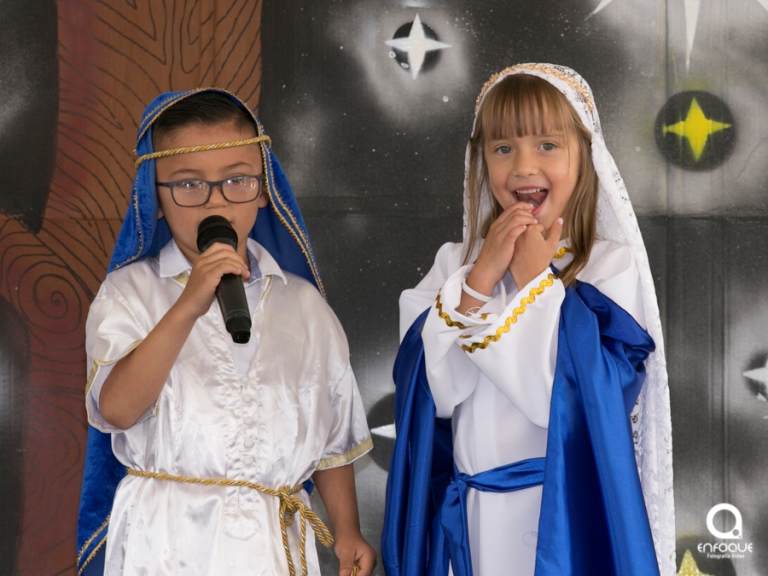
<point x="206" y="274"/>
<point x="534" y="251"/>
<point x="499" y="247"/>
<point x="353" y="550"/>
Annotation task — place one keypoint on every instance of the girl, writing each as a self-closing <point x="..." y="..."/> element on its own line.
<point x="535" y="346"/>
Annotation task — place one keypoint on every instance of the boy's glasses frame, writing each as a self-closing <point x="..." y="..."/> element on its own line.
<point x="222" y="184"/>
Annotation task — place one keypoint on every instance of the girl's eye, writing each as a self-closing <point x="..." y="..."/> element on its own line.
<point x="503" y="149"/>
<point x="548" y="146"/>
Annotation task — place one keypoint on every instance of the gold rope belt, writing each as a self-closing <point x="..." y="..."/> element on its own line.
<point x="289" y="506"/>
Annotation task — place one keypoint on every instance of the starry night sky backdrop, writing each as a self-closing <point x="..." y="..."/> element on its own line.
<point x="376" y="158"/>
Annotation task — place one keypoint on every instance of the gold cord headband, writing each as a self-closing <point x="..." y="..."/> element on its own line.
<point x="201" y="148"/>
<point x="560" y="75"/>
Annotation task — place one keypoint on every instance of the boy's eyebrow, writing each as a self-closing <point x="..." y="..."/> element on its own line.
<point x="189" y="170"/>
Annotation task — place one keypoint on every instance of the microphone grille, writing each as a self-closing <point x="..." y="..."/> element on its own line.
<point x="215" y="229"/>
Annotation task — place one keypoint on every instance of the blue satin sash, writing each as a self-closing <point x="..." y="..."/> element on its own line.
<point x="453" y="513"/>
<point x="593" y="518"/>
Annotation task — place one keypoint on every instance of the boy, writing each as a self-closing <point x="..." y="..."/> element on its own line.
<point x="218" y="437"/>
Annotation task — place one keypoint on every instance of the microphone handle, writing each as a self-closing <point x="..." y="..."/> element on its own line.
<point x="230" y="294"/>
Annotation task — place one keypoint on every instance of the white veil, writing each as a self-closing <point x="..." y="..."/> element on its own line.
<point x="616" y="221"/>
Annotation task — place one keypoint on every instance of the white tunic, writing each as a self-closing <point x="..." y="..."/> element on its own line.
<point x="271" y="411"/>
<point x="499" y="394"/>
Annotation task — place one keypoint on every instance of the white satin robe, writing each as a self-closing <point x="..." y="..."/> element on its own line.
<point x="499" y="396"/>
<point x="271" y="411"/>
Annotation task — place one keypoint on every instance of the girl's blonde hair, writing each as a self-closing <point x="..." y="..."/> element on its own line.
<point x="520" y="105"/>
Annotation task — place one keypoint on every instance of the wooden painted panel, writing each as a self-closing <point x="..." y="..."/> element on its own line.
<point x="114" y="57"/>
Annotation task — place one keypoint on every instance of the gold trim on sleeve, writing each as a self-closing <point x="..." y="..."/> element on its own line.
<point x="530" y="299"/>
<point x="344" y="459"/>
<point x="446" y="317"/>
<point x="99" y="363"/>
<point x="562" y="252"/>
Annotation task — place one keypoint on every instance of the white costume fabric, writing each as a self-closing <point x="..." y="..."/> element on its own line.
<point x="271" y="412"/>
<point x="499" y="396"/>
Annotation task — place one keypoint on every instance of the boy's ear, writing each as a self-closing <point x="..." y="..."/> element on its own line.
<point x="159" y="211"/>
<point x="262" y="200"/>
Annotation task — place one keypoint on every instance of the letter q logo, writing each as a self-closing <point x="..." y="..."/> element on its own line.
<point x="735" y="532"/>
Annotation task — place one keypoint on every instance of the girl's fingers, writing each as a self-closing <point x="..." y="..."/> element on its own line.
<point x="555" y="232"/>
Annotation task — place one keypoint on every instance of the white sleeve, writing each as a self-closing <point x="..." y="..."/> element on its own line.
<point x="612" y="270"/>
<point x="349" y="437"/>
<point x="512" y="341"/>
<point x="112" y="331"/>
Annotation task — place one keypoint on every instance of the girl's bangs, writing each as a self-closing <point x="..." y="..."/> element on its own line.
<point x="523" y="105"/>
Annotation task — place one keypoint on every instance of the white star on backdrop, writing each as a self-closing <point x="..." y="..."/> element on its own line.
<point x="386" y="431"/>
<point x="760" y="375"/>
<point x="416" y="46"/>
<point x="691" y="22"/>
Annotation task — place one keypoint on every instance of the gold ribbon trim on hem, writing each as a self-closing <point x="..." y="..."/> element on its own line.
<point x="290" y="505"/>
<point x="201" y="148"/>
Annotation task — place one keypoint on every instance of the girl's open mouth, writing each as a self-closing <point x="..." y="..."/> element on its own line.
<point x="533" y="196"/>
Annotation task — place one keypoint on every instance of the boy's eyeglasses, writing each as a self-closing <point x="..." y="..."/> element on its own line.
<point x="192" y="193"/>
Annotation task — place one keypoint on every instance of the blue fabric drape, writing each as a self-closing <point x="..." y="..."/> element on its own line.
<point x="593" y="517"/>
<point x="452" y="515"/>
<point x="279" y="228"/>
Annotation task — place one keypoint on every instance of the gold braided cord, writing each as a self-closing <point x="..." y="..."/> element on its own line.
<point x="92" y="555"/>
<point x="93" y="536"/>
<point x="562" y="252"/>
<point x="444" y="315"/>
<point x="201" y="148"/>
<point x="542" y="69"/>
<point x="289" y="506"/>
<point x="530" y="299"/>
<point x="304" y="244"/>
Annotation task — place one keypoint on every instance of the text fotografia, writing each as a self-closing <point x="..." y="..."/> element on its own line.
<point x="725" y="550"/>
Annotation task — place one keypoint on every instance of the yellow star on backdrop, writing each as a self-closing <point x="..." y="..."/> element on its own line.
<point x="688" y="566"/>
<point x="696" y="128"/>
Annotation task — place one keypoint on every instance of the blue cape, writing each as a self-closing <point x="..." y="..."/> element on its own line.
<point x="593" y="517"/>
<point x="279" y="228"/>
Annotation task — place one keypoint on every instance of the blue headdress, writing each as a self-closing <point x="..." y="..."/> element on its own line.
<point x="279" y="228"/>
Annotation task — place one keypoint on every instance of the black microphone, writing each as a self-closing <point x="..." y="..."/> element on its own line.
<point x="230" y="292"/>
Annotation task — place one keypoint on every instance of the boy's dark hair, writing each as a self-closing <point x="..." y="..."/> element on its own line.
<point x="206" y="108"/>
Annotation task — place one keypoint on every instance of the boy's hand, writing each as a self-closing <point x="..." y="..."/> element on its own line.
<point x="354" y="551"/>
<point x="206" y="274"/>
<point x="535" y="249"/>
